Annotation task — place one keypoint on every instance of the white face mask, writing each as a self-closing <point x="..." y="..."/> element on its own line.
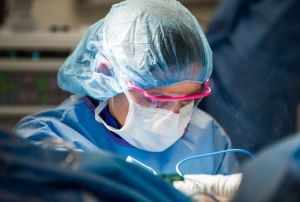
<point x="151" y="129"/>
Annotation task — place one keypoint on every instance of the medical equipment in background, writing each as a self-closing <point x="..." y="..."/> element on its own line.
<point x="28" y="66"/>
<point x="20" y="16"/>
<point x="29" y="60"/>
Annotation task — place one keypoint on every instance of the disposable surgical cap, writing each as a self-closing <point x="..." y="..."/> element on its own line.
<point x="150" y="43"/>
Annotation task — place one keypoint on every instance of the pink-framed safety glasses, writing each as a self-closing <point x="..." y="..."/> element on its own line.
<point x="203" y="92"/>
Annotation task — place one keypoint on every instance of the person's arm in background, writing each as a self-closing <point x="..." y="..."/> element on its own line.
<point x="274" y="174"/>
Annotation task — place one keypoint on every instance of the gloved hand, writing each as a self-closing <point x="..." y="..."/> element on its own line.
<point x="222" y="187"/>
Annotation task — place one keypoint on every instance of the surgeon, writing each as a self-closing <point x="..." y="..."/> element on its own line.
<point x="137" y="76"/>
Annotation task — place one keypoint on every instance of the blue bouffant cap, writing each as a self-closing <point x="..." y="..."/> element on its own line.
<point x="151" y="43"/>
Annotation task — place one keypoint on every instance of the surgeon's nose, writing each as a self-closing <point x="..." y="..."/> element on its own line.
<point x="176" y="106"/>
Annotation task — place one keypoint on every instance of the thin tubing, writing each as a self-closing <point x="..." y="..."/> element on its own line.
<point x="211" y="154"/>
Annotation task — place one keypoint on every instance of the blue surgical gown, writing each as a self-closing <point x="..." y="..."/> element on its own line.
<point x="73" y="121"/>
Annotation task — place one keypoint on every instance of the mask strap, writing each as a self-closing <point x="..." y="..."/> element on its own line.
<point x="129" y="98"/>
<point x="100" y="107"/>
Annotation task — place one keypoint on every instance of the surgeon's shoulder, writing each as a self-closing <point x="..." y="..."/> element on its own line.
<point x="49" y="120"/>
<point x="200" y="117"/>
<point x="70" y="104"/>
<point x="205" y="121"/>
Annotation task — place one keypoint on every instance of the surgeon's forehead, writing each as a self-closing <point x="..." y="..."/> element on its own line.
<point x="185" y="88"/>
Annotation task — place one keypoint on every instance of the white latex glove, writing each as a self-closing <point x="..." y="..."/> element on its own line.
<point x="221" y="186"/>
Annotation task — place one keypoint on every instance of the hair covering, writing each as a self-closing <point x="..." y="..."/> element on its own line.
<point x="151" y="43"/>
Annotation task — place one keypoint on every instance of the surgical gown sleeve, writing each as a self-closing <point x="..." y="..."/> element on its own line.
<point x="63" y="123"/>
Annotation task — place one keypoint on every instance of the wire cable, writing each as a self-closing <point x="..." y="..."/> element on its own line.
<point x="211" y="154"/>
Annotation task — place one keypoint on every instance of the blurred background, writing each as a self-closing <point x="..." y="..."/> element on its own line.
<point x="35" y="38"/>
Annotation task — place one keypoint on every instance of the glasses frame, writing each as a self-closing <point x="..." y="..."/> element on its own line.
<point x="206" y="91"/>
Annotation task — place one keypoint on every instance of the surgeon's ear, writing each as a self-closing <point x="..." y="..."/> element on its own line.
<point x="104" y="67"/>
